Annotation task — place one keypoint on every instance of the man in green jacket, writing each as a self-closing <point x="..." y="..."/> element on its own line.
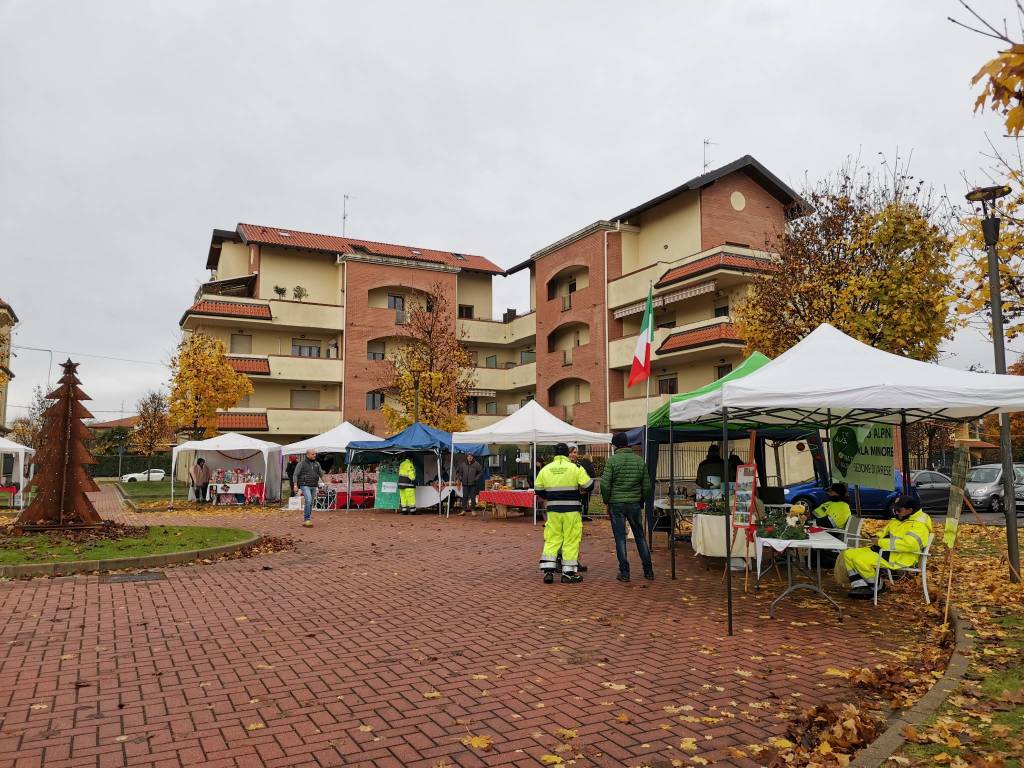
<point x="625" y="486"/>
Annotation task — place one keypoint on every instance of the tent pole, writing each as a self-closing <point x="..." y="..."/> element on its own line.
<point x="533" y="465"/>
<point x="439" y="465"/>
<point x="348" y="485"/>
<point x="451" y="478"/>
<point x="728" y="519"/>
<point x="905" y="453"/>
<point x="671" y="494"/>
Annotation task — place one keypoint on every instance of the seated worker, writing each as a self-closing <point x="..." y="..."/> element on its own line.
<point x="712" y="466"/>
<point x="907" y="535"/>
<point x="835" y="512"/>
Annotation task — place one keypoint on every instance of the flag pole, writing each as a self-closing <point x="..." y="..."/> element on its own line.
<point x="648" y="524"/>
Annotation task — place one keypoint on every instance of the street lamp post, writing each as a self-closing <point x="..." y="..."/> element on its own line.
<point x="990" y="228"/>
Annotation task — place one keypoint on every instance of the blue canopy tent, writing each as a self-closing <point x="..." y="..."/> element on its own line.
<point x="416" y="438"/>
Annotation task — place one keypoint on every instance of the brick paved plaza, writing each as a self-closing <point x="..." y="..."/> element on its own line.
<point x="387" y="640"/>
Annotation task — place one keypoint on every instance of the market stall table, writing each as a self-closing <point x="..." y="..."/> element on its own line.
<point x="816" y="540"/>
<point x="249" y="492"/>
<point x="12" y="491"/>
<point x="505" y="501"/>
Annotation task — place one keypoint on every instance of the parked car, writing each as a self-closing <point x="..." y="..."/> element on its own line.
<point x="985" y="486"/>
<point x="932" y="489"/>
<point x="874" y="502"/>
<point x="153" y="475"/>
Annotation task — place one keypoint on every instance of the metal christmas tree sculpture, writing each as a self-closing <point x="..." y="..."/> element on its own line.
<point x="60" y="462"/>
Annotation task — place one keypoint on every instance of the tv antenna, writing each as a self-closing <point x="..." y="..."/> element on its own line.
<point x="708" y="143"/>
<point x="344" y="212"/>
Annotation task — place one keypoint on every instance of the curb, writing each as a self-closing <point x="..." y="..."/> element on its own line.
<point x="124" y="497"/>
<point x="148" y="561"/>
<point x="881" y="749"/>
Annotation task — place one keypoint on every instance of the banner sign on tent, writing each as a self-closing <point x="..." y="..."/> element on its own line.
<point x="961" y="460"/>
<point x="863" y="456"/>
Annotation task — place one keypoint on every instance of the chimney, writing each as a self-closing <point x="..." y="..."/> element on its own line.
<point x="510" y="315"/>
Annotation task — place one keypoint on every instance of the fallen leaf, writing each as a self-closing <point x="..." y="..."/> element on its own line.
<point x="780" y="743"/>
<point x="833" y="672"/>
<point x="479" y="677"/>
<point x="121" y="738"/>
<point x="565" y="733"/>
<point x="241" y="618"/>
<point x="478" y="742"/>
<point x="999" y="731"/>
<point x="254" y="726"/>
<point x="366" y="728"/>
<point x="614" y="686"/>
<point x="551" y="760"/>
<point x="698" y="760"/>
<point x="40" y="706"/>
<point x="743" y="672"/>
<point x="432" y="695"/>
<point x="622" y="717"/>
<point x="688" y="745"/>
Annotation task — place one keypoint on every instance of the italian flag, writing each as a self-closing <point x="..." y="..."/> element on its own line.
<point x="641" y="370"/>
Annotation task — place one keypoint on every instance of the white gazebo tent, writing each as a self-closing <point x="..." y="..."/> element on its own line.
<point x="225" y="451"/>
<point x="334" y="440"/>
<point x="532" y="424"/>
<point x="829" y="379"/>
<point x="22" y="454"/>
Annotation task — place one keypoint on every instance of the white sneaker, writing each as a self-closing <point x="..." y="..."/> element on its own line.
<point x="307" y="523"/>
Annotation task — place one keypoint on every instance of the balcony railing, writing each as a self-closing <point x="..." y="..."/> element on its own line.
<point x="567" y="302"/>
<point x="401" y="317"/>
<point x="567" y="356"/>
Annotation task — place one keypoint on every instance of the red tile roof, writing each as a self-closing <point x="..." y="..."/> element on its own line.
<point x="127" y="421"/>
<point x="722" y="333"/>
<point x="710" y="263"/>
<point x="250" y="422"/>
<point x="231" y="308"/>
<point x="257" y="365"/>
<point x="290" y="238"/>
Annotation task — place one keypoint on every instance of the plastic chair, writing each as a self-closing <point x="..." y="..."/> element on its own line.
<point x="921" y="568"/>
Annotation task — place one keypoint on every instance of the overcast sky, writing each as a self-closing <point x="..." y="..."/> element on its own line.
<point x="129" y="130"/>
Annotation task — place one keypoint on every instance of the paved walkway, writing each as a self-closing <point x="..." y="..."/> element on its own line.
<point x="387" y="640"/>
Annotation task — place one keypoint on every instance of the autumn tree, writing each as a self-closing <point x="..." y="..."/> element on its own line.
<point x="26" y="430"/>
<point x="202" y="383"/>
<point x="151" y="432"/>
<point x="1002" y="76"/>
<point x="431" y="372"/>
<point x="973" y="298"/>
<point x="109" y="441"/>
<point x="873" y="258"/>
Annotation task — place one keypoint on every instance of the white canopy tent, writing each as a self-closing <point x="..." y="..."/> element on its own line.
<point x="334" y="440"/>
<point x="226" y="451"/>
<point x="829" y="378"/>
<point x="532" y="424"/>
<point x="21" y="453"/>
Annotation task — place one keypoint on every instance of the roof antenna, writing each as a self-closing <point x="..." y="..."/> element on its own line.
<point x="344" y="212"/>
<point x="708" y="143"/>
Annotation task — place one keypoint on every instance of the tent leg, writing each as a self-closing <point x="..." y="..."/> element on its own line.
<point x="728" y="520"/>
<point x="348" y="487"/>
<point x="905" y="453"/>
<point x="671" y="494"/>
<point x="451" y="476"/>
<point x="533" y="464"/>
<point x="439" y="510"/>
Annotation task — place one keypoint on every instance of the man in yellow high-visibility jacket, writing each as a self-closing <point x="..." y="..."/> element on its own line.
<point x="407" y="486"/>
<point x="900" y="545"/>
<point x="835" y="512"/>
<point x="561" y="484"/>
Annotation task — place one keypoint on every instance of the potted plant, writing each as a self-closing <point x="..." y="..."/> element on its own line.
<point x="281" y="291"/>
<point x="299" y="293"/>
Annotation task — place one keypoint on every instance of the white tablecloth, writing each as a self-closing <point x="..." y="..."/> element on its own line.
<point x="819" y="540"/>
<point x="213" y="490"/>
<point x="708" y="536"/>
<point x="428" y="496"/>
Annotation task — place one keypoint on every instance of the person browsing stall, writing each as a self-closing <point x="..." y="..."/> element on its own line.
<point x="469" y="473"/>
<point x="200" y="477"/>
<point x="307" y="477"/>
<point x="900" y="545"/>
<point x="625" y="486"/>
<point x="711" y="466"/>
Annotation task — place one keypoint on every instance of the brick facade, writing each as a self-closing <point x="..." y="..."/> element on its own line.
<point x="755" y="226"/>
<point x="364" y="323"/>
<point x="590" y="361"/>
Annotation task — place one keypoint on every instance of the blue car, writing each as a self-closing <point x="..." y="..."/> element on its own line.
<point x="874" y="502"/>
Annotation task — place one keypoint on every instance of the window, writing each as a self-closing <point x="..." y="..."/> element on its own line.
<point x="492" y="408"/>
<point x="525" y="400"/>
<point x="668" y="385"/>
<point x="527" y="357"/>
<point x="375" y="350"/>
<point x="722" y="370"/>
<point x="473" y="405"/>
<point x="491" y="361"/>
<point x="306" y="399"/>
<point x="465" y="311"/>
<point x="396" y="302"/>
<point x="306" y="347"/>
<point x="241" y="343"/>
<point x="374" y="401"/>
<point x="722" y="311"/>
<point x="572" y="285"/>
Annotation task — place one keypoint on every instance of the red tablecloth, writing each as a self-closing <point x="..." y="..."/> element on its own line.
<point x="521" y="499"/>
<point x="360" y="499"/>
<point x="11" y="490"/>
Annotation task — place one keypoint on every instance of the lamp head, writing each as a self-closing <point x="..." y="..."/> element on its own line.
<point x="988" y="194"/>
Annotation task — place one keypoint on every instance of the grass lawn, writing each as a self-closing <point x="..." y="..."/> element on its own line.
<point x="154" y="491"/>
<point x="159" y="540"/>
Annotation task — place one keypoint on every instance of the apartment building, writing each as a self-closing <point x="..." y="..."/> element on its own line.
<point x="7" y="322"/>
<point x="310" y="318"/>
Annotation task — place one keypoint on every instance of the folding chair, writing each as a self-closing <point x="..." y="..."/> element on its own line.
<point x="921" y="568"/>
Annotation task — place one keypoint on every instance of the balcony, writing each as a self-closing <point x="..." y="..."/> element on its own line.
<point x="214" y="309"/>
<point x="521" y="329"/>
<point x="706" y="338"/>
<point x="626" y="414"/>
<point x="279" y="421"/>
<point x="479" y="420"/>
<point x="289" y="367"/>
<point x="506" y="379"/>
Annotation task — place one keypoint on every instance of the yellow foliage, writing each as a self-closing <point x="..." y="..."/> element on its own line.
<point x="1004" y="80"/>
<point x="202" y="383"/>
